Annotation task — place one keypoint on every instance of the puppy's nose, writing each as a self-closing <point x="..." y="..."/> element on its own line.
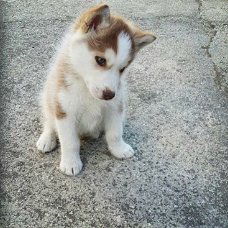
<point x="108" y="94"/>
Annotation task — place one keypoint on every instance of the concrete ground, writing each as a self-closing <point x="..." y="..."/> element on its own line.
<point x="177" y="122"/>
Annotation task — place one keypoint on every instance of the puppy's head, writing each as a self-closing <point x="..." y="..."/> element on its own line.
<point x="103" y="46"/>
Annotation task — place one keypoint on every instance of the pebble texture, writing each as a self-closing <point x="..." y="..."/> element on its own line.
<point x="177" y="122"/>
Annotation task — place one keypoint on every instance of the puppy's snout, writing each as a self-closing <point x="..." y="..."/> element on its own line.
<point x="108" y="94"/>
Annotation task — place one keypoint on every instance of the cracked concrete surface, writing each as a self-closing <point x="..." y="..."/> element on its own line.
<point x="214" y="17"/>
<point x="177" y="123"/>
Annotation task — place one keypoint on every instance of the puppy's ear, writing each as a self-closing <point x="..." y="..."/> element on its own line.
<point x="142" y="38"/>
<point x="95" y="18"/>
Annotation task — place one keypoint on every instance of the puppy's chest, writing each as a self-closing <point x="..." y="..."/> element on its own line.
<point x="89" y="117"/>
<point x="88" y="112"/>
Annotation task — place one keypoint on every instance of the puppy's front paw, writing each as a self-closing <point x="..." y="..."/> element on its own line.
<point x="122" y="151"/>
<point x="71" y="167"/>
<point x="46" y="142"/>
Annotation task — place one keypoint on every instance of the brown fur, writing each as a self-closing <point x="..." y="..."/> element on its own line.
<point x="62" y="68"/>
<point x="103" y="30"/>
<point x="138" y="35"/>
<point x="107" y="37"/>
<point x="59" y="113"/>
<point x="84" y="23"/>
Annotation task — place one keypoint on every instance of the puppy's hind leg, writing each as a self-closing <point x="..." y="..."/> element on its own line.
<point x="47" y="140"/>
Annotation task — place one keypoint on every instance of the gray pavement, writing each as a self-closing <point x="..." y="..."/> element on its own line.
<point x="177" y="122"/>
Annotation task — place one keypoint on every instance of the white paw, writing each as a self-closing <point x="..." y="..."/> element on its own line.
<point x="122" y="151"/>
<point x="71" y="167"/>
<point x="46" y="142"/>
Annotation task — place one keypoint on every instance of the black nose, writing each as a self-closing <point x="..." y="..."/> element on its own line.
<point x="108" y="94"/>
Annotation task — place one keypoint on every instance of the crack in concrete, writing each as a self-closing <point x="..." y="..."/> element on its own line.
<point x="209" y="25"/>
<point x="219" y="77"/>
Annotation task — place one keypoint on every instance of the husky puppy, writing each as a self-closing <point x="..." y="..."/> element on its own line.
<point x="85" y="91"/>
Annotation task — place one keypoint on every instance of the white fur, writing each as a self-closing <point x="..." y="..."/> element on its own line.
<point x="86" y="112"/>
<point x="124" y="48"/>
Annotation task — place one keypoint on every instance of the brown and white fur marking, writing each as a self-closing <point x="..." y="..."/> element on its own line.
<point x="85" y="91"/>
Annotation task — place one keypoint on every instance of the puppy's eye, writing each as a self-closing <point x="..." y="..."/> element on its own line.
<point x="100" y="61"/>
<point x="122" y="70"/>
